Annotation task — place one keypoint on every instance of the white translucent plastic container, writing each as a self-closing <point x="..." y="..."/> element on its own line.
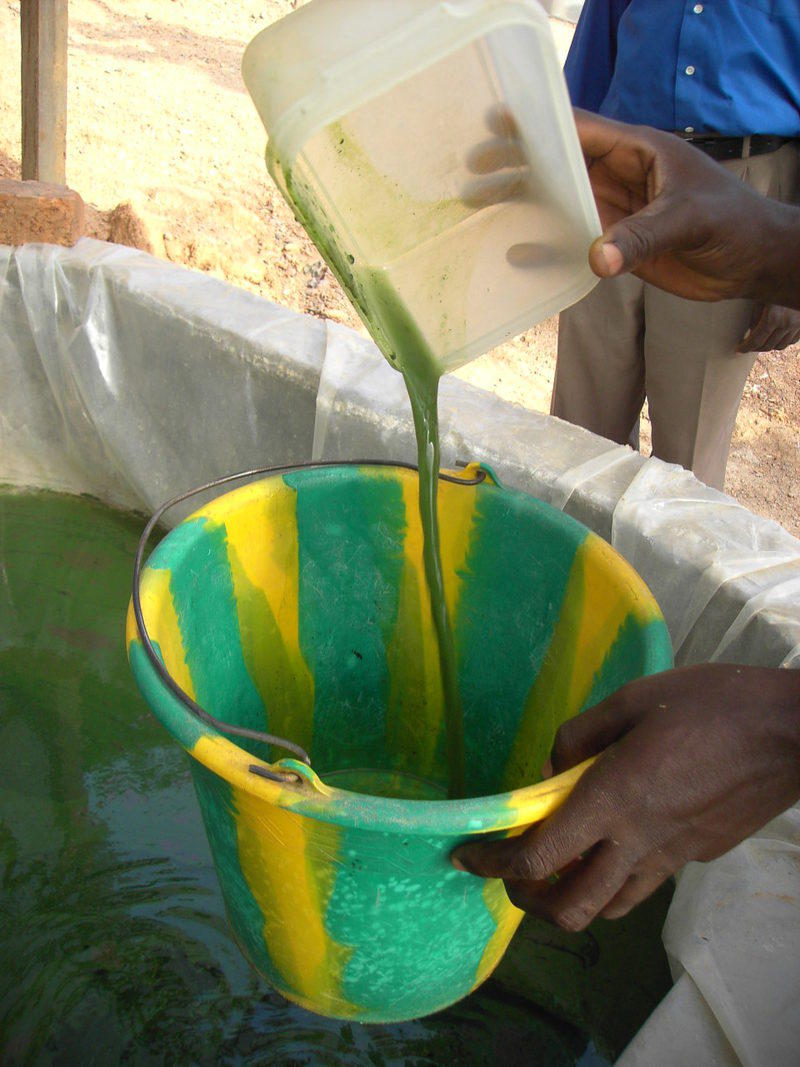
<point x="374" y="110"/>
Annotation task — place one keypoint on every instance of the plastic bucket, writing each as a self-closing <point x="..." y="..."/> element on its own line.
<point x="297" y="604"/>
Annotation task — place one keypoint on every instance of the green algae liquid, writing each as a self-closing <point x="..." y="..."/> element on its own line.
<point x="396" y="333"/>
<point x="413" y="358"/>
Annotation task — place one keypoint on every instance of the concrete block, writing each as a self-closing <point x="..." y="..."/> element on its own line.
<point x="39" y="212"/>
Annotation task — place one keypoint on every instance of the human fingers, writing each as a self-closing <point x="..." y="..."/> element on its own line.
<point x="661" y="228"/>
<point x="521" y="859"/>
<point x="773" y="342"/>
<point x="785" y="339"/>
<point x="679" y="221"/>
<point x="595" y="729"/>
<point x="768" y="339"/>
<point x="793" y="326"/>
<point x="501" y="122"/>
<point x="628" y="150"/>
<point x="547" y="847"/>
<point x="491" y="156"/>
<point x="697" y="774"/>
<point x="579" y="895"/>
<point x="755" y="328"/>
<point x="669" y="212"/>
<point x="495" y="188"/>
<point x="763" y="330"/>
<point x="786" y="323"/>
<point x="636" y="889"/>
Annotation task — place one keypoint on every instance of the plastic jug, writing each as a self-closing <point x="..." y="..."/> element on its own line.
<point x="374" y="112"/>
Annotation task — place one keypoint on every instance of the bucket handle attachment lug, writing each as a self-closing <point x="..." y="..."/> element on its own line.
<point x="285" y="777"/>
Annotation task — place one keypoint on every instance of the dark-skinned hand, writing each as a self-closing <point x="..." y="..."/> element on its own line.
<point x="691" y="762"/>
<point x="678" y="220"/>
<point x="670" y="215"/>
<point x="771" y="329"/>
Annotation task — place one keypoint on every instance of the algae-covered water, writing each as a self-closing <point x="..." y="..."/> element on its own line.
<point x="114" y="943"/>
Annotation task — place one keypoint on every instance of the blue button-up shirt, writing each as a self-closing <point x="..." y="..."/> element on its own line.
<point x="722" y="66"/>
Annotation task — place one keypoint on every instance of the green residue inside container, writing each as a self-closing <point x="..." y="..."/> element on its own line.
<point x="382" y="205"/>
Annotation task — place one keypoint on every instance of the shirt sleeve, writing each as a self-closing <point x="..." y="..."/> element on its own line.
<point x="589" y="66"/>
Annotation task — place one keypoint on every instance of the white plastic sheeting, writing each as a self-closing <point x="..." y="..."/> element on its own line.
<point x="133" y="380"/>
<point x="727" y="581"/>
<point x="731" y="937"/>
<point x="568" y="10"/>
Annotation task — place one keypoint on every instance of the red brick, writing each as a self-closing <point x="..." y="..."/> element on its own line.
<point x="38" y="211"/>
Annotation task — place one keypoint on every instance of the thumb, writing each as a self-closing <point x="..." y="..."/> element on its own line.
<point x="756" y="332"/>
<point x="544" y="848"/>
<point x="657" y="229"/>
<point x="592" y="731"/>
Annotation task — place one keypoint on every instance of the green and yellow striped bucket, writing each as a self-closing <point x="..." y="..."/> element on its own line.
<point x="297" y="605"/>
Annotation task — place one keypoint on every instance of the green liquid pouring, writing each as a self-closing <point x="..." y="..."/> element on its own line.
<point x="410" y="353"/>
<point x="398" y="336"/>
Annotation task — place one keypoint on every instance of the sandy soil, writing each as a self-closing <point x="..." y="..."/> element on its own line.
<point x="160" y="123"/>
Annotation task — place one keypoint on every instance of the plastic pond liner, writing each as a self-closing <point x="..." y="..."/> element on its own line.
<point x="116" y="944"/>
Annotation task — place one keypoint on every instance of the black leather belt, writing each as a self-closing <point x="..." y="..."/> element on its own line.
<point x="721" y="148"/>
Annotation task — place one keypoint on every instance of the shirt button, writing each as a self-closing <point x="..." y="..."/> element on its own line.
<point x="688" y="129"/>
<point x="690" y="71"/>
<point x="698" y="9"/>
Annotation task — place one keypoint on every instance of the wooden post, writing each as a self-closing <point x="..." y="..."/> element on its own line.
<point x="44" y="90"/>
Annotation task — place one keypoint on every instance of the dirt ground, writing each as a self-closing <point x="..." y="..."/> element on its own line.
<point x="164" y="142"/>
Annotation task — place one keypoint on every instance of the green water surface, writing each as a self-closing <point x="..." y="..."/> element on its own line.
<point x="114" y="943"/>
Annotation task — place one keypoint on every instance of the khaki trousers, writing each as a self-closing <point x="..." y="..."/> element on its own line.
<point x="628" y="340"/>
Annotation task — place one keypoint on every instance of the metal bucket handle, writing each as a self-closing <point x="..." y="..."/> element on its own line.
<point x="285" y="777"/>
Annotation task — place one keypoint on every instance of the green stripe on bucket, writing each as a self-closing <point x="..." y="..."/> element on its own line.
<point x="437" y="922"/>
<point x="215" y="798"/>
<point x="172" y="713"/>
<point x="209" y="627"/>
<point x="638" y="650"/>
<point x="350" y="562"/>
<point x="499" y="653"/>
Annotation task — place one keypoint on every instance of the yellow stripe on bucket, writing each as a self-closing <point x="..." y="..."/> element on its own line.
<point x="162" y="625"/>
<point x="416" y="705"/>
<point x="263" y="554"/>
<point x="592" y="612"/>
<point x="455" y="530"/>
<point x="279" y="855"/>
<point x="507" y="918"/>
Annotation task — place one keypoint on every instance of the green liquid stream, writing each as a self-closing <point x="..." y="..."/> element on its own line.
<point x="412" y="356"/>
<point x="397" y="335"/>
